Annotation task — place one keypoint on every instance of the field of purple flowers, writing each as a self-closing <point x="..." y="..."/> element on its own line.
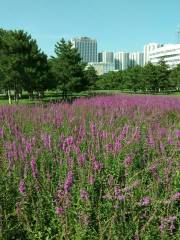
<point x="100" y="168"/>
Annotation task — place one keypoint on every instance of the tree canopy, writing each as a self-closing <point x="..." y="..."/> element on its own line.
<point x="23" y="66"/>
<point x="68" y="69"/>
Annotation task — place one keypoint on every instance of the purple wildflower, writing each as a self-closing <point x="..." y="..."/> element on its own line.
<point x="68" y="182"/>
<point x="46" y="140"/>
<point x="28" y="147"/>
<point x="117" y="190"/>
<point x="59" y="211"/>
<point x="93" y="128"/>
<point x="84" y="194"/>
<point x="69" y="140"/>
<point x="167" y="224"/>
<point x="137" y="134"/>
<point x="175" y="197"/>
<point x="97" y="166"/>
<point x="128" y="160"/>
<point x="91" y="180"/>
<point x="150" y="141"/>
<point x="81" y="160"/>
<point x="34" y="168"/>
<point x="121" y="197"/>
<point x="146" y="201"/>
<point x="22" y="188"/>
<point x="162" y="148"/>
<point x="153" y="169"/>
<point x="1" y="132"/>
<point x="177" y="133"/>
<point x="134" y="185"/>
<point x="117" y="193"/>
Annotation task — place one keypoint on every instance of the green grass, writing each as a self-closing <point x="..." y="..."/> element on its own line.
<point x="51" y="96"/>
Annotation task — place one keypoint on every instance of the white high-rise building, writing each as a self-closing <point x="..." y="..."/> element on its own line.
<point x="169" y="52"/>
<point x="148" y="48"/>
<point x="121" y="60"/>
<point x="136" y="58"/>
<point x="87" y="48"/>
<point x="106" y="57"/>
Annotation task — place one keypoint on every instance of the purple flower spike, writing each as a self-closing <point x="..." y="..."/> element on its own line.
<point x="22" y="188"/>
<point x="34" y="168"/>
<point x="146" y="201"/>
<point x="84" y="194"/>
<point x="175" y="196"/>
<point x="91" y="180"/>
<point x="59" y="211"/>
<point x="128" y="160"/>
<point x="68" y="182"/>
<point x="97" y="166"/>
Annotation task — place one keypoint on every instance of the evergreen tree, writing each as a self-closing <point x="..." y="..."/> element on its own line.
<point x="162" y="75"/>
<point x="22" y="64"/>
<point x="68" y="68"/>
<point x="91" y="77"/>
<point x="174" y="78"/>
<point x="149" y="76"/>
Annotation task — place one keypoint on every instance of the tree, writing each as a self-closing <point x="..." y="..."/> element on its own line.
<point x="149" y="76"/>
<point x="91" y="77"/>
<point x="22" y="64"/>
<point x="10" y="67"/>
<point x="68" y="68"/>
<point x="162" y="75"/>
<point x="37" y="76"/>
<point x="132" y="78"/>
<point x="110" y="81"/>
<point x="174" y="78"/>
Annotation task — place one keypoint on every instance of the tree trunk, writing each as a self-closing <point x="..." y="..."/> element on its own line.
<point x="9" y="96"/>
<point x="31" y="95"/>
<point x="16" y="96"/>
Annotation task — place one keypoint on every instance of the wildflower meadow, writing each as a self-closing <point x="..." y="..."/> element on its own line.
<point x="100" y="168"/>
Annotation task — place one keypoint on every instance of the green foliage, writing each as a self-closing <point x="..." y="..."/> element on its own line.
<point x="162" y="70"/>
<point x="175" y="77"/>
<point x="68" y="68"/>
<point x="91" y="77"/>
<point x="22" y="64"/>
<point x="136" y="199"/>
<point x="150" y="78"/>
<point x="111" y="80"/>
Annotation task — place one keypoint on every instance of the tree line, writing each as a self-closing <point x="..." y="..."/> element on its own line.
<point x="150" y="78"/>
<point x="25" y="67"/>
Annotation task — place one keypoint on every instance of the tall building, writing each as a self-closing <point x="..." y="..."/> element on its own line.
<point x="121" y="60"/>
<point x="148" y="48"/>
<point x="87" y="48"/>
<point x="106" y="57"/>
<point x="136" y="58"/>
<point x="169" y="52"/>
<point x="102" y="67"/>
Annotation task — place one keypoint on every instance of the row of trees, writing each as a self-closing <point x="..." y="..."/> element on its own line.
<point x="23" y="66"/>
<point x="153" y="78"/>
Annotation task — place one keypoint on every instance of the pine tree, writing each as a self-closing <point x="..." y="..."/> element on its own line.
<point x="163" y="75"/>
<point x="174" y="78"/>
<point x="68" y="68"/>
<point x="22" y="64"/>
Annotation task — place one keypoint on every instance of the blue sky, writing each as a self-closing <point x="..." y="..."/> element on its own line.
<point x="116" y="24"/>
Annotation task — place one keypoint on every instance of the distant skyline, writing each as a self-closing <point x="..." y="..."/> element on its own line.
<point x="116" y="25"/>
